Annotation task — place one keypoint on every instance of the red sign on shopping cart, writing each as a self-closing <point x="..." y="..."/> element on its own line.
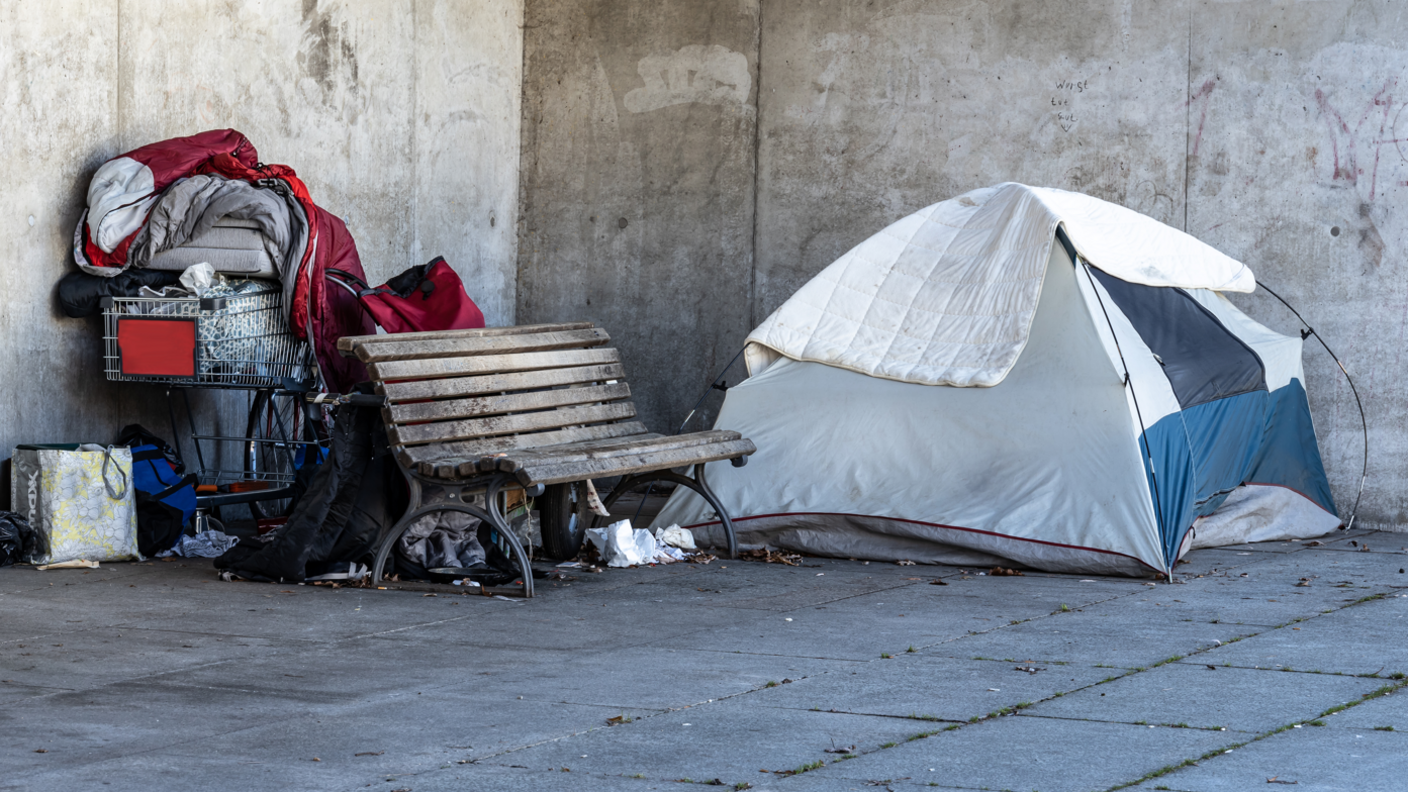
<point x="151" y="346"/>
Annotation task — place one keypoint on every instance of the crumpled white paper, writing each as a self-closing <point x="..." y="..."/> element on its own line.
<point x="675" y="536"/>
<point x="620" y="545"/>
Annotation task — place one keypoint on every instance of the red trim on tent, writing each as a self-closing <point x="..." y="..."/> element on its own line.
<point x="931" y="525"/>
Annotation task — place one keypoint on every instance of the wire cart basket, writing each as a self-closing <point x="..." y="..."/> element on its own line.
<point x="239" y="340"/>
<point x="236" y="339"/>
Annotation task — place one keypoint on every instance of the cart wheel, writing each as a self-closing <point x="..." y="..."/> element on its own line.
<point x="562" y="535"/>
<point x="268" y="455"/>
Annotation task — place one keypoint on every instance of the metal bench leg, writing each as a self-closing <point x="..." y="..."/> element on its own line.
<point x="505" y="534"/>
<point x="699" y="484"/>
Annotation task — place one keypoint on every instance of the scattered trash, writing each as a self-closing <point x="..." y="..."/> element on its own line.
<point x="1314" y="543"/>
<point x="1004" y="571"/>
<point x="849" y="749"/>
<point x="1212" y="667"/>
<point x="675" y="536"/>
<point x="937" y="582"/>
<point x="1030" y="669"/>
<point x="1277" y="779"/>
<point x="570" y="565"/>
<point x="623" y="546"/>
<point x="206" y="544"/>
<point x="369" y="753"/>
<point x="904" y="562"/>
<point x="771" y="557"/>
<point x="465" y="582"/>
<point x="1304" y="583"/>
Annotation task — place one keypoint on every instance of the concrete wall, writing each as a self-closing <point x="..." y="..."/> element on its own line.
<point x="637" y="183"/>
<point x="1271" y="130"/>
<point x="401" y="115"/>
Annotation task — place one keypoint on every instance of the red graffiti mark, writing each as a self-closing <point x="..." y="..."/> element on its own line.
<point x="1347" y="167"/>
<point x="1202" y="94"/>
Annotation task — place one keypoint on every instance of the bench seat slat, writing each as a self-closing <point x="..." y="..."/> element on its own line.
<point x="464" y="455"/>
<point x="517" y="459"/>
<point x="499" y="383"/>
<point x="470" y="429"/>
<point x="439" y="347"/>
<point x="348" y="345"/>
<point x="490" y="364"/>
<point x="505" y="403"/>
<point x="634" y="463"/>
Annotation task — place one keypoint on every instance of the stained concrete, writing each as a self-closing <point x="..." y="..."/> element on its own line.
<point x="637" y="184"/>
<point x="1273" y="132"/>
<point x="159" y="676"/>
<point x="1314" y="760"/>
<point x="401" y="115"/>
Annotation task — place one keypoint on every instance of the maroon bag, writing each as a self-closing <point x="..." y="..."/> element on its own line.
<point x="424" y="298"/>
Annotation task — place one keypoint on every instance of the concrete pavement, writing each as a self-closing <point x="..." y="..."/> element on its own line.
<point x="1280" y="662"/>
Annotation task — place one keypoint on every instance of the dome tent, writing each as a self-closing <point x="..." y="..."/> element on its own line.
<point x="1026" y="374"/>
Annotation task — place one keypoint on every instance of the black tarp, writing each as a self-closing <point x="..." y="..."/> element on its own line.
<point x="351" y="499"/>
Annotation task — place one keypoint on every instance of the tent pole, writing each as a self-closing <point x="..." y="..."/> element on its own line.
<point x="1304" y="334"/>
<point x="1134" y="396"/>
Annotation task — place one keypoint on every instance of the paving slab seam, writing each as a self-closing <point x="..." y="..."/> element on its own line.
<point x="1213" y="754"/>
<point x="1130" y="723"/>
<point x="1017" y="710"/>
<point x="1018" y="622"/>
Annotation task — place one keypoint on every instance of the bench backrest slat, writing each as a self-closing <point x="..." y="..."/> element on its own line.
<point x="462" y="394"/>
<point x="440" y="347"/>
<point x="348" y="345"/>
<point x="490" y="364"/>
<point x="455" y="387"/>
<point x="473" y="449"/>
<point x="480" y="406"/>
<point x="449" y="431"/>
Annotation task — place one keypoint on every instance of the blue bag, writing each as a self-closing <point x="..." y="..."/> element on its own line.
<point x="166" y="500"/>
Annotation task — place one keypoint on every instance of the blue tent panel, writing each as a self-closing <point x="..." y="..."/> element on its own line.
<point x="1204" y="452"/>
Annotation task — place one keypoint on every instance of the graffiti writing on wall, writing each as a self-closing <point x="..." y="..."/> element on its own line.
<point x="1357" y="151"/>
<point x="1061" y="99"/>
<point x="693" y="74"/>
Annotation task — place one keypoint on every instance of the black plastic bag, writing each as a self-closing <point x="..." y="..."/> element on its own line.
<point x="81" y="294"/>
<point x="16" y="538"/>
<point x="133" y="435"/>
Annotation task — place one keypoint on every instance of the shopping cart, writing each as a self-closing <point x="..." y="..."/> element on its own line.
<point x="235" y="338"/>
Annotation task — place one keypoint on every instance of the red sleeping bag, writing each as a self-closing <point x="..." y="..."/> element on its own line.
<point x="421" y="299"/>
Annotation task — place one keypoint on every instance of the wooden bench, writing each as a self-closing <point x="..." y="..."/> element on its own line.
<point x="473" y="413"/>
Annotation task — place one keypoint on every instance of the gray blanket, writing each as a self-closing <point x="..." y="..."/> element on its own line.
<point x="189" y="208"/>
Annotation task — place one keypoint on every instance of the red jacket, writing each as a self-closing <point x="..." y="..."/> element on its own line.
<point x="126" y="187"/>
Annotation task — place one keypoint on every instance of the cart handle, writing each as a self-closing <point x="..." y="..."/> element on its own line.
<point x="349" y="399"/>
